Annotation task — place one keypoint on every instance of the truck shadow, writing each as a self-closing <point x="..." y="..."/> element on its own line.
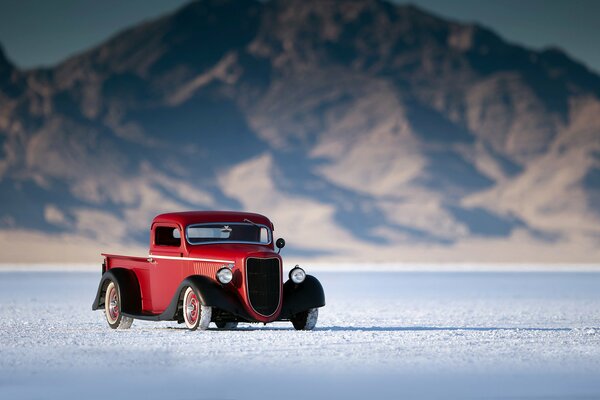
<point x="393" y="329"/>
<point x="436" y="328"/>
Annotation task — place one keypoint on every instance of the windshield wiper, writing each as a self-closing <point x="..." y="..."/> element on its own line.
<point x="253" y="223"/>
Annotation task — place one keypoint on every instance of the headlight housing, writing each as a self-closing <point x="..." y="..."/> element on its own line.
<point x="224" y="275"/>
<point x="297" y="275"/>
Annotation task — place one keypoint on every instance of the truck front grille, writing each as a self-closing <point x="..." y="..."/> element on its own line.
<point x="264" y="284"/>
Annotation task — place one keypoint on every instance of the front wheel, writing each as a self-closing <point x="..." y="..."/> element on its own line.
<point x="306" y="320"/>
<point x="112" y="308"/>
<point x="195" y="315"/>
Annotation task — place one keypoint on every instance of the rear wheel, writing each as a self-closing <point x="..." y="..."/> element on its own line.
<point x="195" y="315"/>
<point x="306" y="320"/>
<point x="112" y="308"/>
<point x="226" y="325"/>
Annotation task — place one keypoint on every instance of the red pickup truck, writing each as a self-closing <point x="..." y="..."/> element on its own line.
<point x="208" y="266"/>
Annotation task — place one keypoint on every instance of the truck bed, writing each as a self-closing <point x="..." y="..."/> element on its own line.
<point x="118" y="260"/>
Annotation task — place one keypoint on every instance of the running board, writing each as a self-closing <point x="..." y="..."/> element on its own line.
<point x="149" y="317"/>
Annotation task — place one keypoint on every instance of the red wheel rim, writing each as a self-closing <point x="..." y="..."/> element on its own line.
<point x="113" y="305"/>
<point x="192" y="307"/>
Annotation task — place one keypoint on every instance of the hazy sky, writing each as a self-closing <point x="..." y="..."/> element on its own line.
<point x="44" y="32"/>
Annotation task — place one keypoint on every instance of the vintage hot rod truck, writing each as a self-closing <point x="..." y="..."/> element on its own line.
<point x="208" y="266"/>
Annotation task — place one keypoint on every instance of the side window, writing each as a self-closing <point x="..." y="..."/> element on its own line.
<point x="167" y="236"/>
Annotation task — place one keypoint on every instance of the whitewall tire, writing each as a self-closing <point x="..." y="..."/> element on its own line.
<point x="112" y="308"/>
<point x="306" y="320"/>
<point x="195" y="315"/>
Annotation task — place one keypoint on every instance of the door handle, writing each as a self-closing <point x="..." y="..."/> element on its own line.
<point x="151" y="260"/>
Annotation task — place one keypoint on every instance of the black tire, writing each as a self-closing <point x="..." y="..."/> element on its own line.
<point x="226" y="325"/>
<point x="112" y="307"/>
<point x="305" y="320"/>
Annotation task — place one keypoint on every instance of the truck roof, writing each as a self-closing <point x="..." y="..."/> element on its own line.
<point x="185" y="218"/>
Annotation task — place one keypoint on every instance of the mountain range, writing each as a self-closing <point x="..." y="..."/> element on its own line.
<point x="367" y="131"/>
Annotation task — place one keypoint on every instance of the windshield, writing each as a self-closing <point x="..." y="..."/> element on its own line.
<point x="228" y="233"/>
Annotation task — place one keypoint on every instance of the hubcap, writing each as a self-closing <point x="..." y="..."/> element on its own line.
<point x="191" y="308"/>
<point x="113" y="305"/>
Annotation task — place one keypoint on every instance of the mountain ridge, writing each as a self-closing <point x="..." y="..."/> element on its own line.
<point x="409" y="135"/>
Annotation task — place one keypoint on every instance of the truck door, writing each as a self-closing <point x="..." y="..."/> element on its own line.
<point x="166" y="264"/>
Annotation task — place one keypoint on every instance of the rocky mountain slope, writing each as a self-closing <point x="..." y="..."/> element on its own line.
<point x="365" y="130"/>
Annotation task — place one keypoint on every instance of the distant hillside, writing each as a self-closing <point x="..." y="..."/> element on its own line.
<point x="364" y="129"/>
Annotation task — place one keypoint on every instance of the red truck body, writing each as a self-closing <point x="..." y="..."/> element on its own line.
<point x="152" y="287"/>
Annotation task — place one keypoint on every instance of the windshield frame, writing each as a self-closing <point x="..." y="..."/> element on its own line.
<point x="269" y="232"/>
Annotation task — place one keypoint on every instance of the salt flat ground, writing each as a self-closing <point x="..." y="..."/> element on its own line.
<point x="388" y="335"/>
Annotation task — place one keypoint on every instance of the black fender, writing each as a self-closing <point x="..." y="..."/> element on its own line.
<point x="210" y="293"/>
<point x="301" y="297"/>
<point x="128" y="287"/>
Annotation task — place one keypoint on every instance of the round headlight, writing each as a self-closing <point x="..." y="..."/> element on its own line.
<point x="224" y="275"/>
<point x="297" y="275"/>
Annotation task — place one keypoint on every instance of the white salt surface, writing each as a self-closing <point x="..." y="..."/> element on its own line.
<point x="387" y="335"/>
